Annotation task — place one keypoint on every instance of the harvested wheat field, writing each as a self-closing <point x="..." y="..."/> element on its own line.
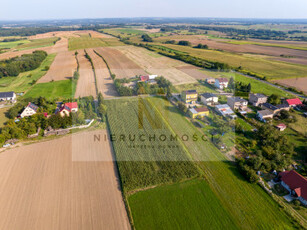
<point x="43" y="188"/>
<point x="119" y="64"/>
<point x="93" y="34"/>
<point x="193" y="71"/>
<point x="298" y="83"/>
<point x="86" y="82"/>
<point x="62" y="68"/>
<point x="157" y="64"/>
<point x="104" y="81"/>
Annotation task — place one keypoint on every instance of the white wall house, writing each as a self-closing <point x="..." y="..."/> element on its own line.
<point x="221" y="83"/>
<point x="29" y="110"/>
<point x="209" y="98"/>
<point x="8" y="96"/>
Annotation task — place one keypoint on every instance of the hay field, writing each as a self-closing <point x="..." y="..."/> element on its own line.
<point x="119" y="63"/>
<point x="42" y="187"/>
<point x="104" y="81"/>
<point x="157" y="64"/>
<point x="193" y="71"/>
<point x="298" y="83"/>
<point x="86" y="83"/>
<point x="62" y="68"/>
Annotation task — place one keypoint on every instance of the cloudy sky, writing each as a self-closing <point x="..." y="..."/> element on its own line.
<point x="67" y="9"/>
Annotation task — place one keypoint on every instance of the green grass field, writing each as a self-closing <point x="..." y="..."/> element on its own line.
<point x="249" y="205"/>
<point x="3" y="118"/>
<point x="37" y="43"/>
<point x="9" y="45"/>
<point x="51" y="90"/>
<point x="187" y="205"/>
<point x="200" y="87"/>
<point x="84" y="42"/>
<point x="22" y="82"/>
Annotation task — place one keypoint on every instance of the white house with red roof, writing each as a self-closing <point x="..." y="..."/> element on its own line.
<point x="67" y="108"/>
<point x="296" y="184"/>
<point x="294" y="102"/>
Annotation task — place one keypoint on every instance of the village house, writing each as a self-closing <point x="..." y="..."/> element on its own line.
<point x="29" y="110"/>
<point x="147" y="78"/>
<point x="225" y="111"/>
<point x="294" y="102"/>
<point x="237" y="103"/>
<point x="221" y="83"/>
<point x="283" y="107"/>
<point x="198" y="112"/>
<point x="8" y="96"/>
<point x="268" y="106"/>
<point x="257" y="99"/>
<point x="263" y="115"/>
<point x="281" y="127"/>
<point x="296" y="184"/>
<point x="189" y="96"/>
<point x="210" y="80"/>
<point x="209" y="98"/>
<point x="67" y="108"/>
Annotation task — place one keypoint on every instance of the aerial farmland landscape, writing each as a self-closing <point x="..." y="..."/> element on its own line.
<point x="183" y="118"/>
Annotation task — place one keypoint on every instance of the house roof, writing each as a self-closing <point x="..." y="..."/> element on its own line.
<point x="237" y="99"/>
<point x="296" y="182"/>
<point x="281" y="126"/>
<point x="190" y="91"/>
<point x="32" y="106"/>
<point x="265" y="112"/>
<point x="69" y="106"/>
<point x="294" y="101"/>
<point x="201" y="109"/>
<point x="282" y="106"/>
<point x="270" y="106"/>
<point x="222" y="79"/>
<point x="208" y="95"/>
<point x="6" y="94"/>
<point x="258" y="95"/>
<point x="222" y="106"/>
<point x="144" y="78"/>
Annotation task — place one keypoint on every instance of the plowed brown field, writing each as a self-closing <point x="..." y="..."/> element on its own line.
<point x="104" y="81"/>
<point x="86" y="83"/>
<point x="62" y="68"/>
<point x="193" y="71"/>
<point x="120" y="65"/>
<point x="298" y="83"/>
<point x="66" y="183"/>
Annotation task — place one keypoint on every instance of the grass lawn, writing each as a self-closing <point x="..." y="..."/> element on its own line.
<point x="250" y="206"/>
<point x="56" y="89"/>
<point x="85" y="41"/>
<point x="37" y="43"/>
<point x="187" y="205"/>
<point x="246" y="126"/>
<point x="3" y="118"/>
<point x="301" y="124"/>
<point x="22" y="82"/>
<point x="201" y="88"/>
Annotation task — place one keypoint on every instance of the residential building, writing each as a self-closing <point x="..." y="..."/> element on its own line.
<point x="68" y="108"/>
<point x="210" y="80"/>
<point x="225" y="111"/>
<point x="296" y="184"/>
<point x="29" y="110"/>
<point x="189" y="96"/>
<point x="8" y="96"/>
<point x="263" y="115"/>
<point x="281" y="127"/>
<point x="271" y="107"/>
<point x="147" y="78"/>
<point x="294" y="102"/>
<point x="237" y="103"/>
<point x="257" y="99"/>
<point x="209" y="98"/>
<point x="221" y="83"/>
<point x="283" y="107"/>
<point x="198" y="112"/>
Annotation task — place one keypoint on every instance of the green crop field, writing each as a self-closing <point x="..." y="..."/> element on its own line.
<point x="268" y="68"/>
<point x="51" y="90"/>
<point x="9" y="45"/>
<point x="84" y="42"/>
<point x="144" y="163"/>
<point x="248" y="203"/>
<point x="37" y="43"/>
<point x="187" y="205"/>
<point x="23" y="81"/>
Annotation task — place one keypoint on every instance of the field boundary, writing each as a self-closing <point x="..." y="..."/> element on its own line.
<point x="93" y="68"/>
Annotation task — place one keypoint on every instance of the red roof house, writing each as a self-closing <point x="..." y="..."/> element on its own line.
<point x="69" y="107"/>
<point x="281" y="127"/>
<point x="294" y="102"/>
<point x="144" y="78"/>
<point x="295" y="183"/>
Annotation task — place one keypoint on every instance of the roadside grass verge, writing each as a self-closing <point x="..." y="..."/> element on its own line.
<point x="56" y="89"/>
<point x="24" y="81"/>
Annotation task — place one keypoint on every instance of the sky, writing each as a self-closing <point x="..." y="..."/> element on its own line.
<point x="75" y="9"/>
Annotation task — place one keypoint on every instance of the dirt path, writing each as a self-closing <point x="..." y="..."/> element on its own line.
<point x="104" y="81"/>
<point x="66" y="183"/>
<point x="86" y="83"/>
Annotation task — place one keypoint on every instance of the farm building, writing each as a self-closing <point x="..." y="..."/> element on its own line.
<point x="257" y="99"/>
<point x="68" y="108"/>
<point x="189" y="96"/>
<point x="294" y="102"/>
<point x="209" y="98"/>
<point x="29" y="110"/>
<point x="237" y="103"/>
<point x="225" y="111"/>
<point x="8" y="96"/>
<point x="281" y="127"/>
<point x="221" y="83"/>
<point x="265" y="114"/>
<point x="296" y="184"/>
<point x="199" y="112"/>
